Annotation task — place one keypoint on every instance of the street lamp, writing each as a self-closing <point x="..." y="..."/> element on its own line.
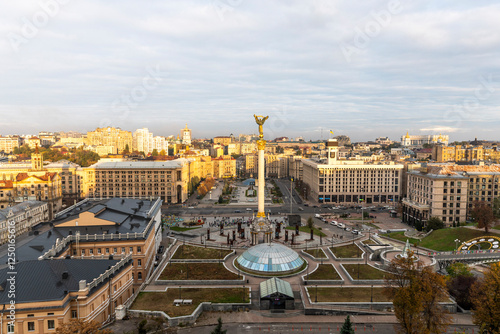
<point x="316" y="297"/>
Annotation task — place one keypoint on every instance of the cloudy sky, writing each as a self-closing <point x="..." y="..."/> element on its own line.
<point x="360" y="68"/>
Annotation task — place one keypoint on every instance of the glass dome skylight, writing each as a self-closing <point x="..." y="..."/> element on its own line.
<point x="270" y="258"/>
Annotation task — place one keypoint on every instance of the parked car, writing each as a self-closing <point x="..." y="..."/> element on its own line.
<point x="347" y="229"/>
<point x="334" y="223"/>
<point x="355" y="232"/>
<point x="248" y="209"/>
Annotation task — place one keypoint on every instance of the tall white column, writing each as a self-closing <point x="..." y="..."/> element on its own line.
<point x="261" y="183"/>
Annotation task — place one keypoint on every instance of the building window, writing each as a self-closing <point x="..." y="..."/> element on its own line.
<point x="139" y="275"/>
<point x="123" y="249"/>
<point x="10" y="328"/>
<point x="138" y="249"/>
<point x="51" y="324"/>
<point x="139" y="262"/>
<point x="31" y="326"/>
<point x="131" y="249"/>
<point x="74" y="314"/>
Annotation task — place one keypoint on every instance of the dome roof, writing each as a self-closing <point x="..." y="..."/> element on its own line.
<point x="270" y="258"/>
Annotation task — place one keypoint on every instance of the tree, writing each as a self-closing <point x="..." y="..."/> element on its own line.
<point x="218" y="328"/>
<point x="416" y="292"/>
<point x="310" y="225"/>
<point x="460" y="288"/>
<point x="483" y="215"/>
<point x="154" y="153"/>
<point x="163" y="153"/>
<point x="485" y="296"/>
<point x="126" y="150"/>
<point x="347" y="327"/>
<point x="434" y="223"/>
<point x="458" y="269"/>
<point x="81" y="327"/>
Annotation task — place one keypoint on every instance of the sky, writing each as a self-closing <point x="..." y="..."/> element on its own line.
<point x="360" y="68"/>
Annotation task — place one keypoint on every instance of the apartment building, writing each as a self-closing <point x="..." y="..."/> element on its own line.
<point x="338" y="181"/>
<point x="109" y="140"/>
<point x="167" y="180"/>
<point x="448" y="192"/>
<point x="52" y="292"/>
<point x="8" y="144"/>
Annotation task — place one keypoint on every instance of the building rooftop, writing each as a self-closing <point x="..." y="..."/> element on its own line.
<point x="38" y="281"/>
<point x="275" y="285"/>
<point x="21" y="207"/>
<point x="269" y="258"/>
<point x="140" y="164"/>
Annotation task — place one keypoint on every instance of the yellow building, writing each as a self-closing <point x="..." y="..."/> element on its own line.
<point x="115" y="138"/>
<point x="222" y="140"/>
<point x="8" y="144"/>
<point x="461" y="153"/>
<point x="224" y="167"/>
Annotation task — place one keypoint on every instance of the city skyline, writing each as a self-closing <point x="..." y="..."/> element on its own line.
<point x="380" y="70"/>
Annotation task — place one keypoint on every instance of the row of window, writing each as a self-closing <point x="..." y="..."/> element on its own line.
<point x="90" y="251"/>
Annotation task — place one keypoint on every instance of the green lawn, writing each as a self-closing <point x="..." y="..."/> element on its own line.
<point x="197" y="271"/>
<point x="182" y="229"/>
<point x="369" y="242"/>
<point x="325" y="272"/>
<point x="442" y="240"/>
<point x="317" y="253"/>
<point x="305" y="229"/>
<point x="163" y="301"/>
<point x="351" y="294"/>
<point x="347" y="251"/>
<point x="366" y="272"/>
<point x="184" y="252"/>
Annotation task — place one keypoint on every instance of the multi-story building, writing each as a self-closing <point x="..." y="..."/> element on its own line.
<point x="459" y="153"/>
<point x="139" y="179"/>
<point x="52" y="292"/>
<point x="8" y="144"/>
<point x="143" y="141"/>
<point x="419" y="141"/>
<point x="186" y="136"/>
<point x="30" y="184"/>
<point x="436" y="193"/>
<point x="222" y="140"/>
<point x="448" y="192"/>
<point x="21" y="218"/>
<point x="115" y="138"/>
<point x="101" y="229"/>
<point x="224" y="167"/>
<point x="335" y="181"/>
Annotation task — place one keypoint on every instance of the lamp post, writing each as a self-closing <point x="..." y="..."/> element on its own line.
<point x="180" y="292"/>
<point x="316" y="297"/>
<point x="291" y="194"/>
<point x="456" y="244"/>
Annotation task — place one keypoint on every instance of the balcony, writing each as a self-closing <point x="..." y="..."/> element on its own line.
<point x="415" y="205"/>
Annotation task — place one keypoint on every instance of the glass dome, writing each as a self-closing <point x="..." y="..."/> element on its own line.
<point x="270" y="258"/>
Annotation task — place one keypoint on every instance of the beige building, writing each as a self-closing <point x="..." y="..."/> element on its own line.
<point x="222" y="140"/>
<point x="113" y="138"/>
<point x="8" y="144"/>
<point x="448" y="192"/>
<point x="52" y="292"/>
<point x="186" y="136"/>
<point x="464" y="153"/>
<point x="335" y="181"/>
<point x="139" y="179"/>
<point x="224" y="167"/>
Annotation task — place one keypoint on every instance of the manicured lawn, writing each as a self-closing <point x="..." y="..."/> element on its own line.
<point x="197" y="271"/>
<point x="347" y="251"/>
<point x="365" y="271"/>
<point x="344" y="294"/>
<point x="182" y="229"/>
<point x="369" y="242"/>
<point x="184" y="252"/>
<point x="305" y="229"/>
<point x="163" y="301"/>
<point x="497" y="227"/>
<point x="442" y="240"/>
<point x="317" y="253"/>
<point x="401" y="236"/>
<point x="324" y="271"/>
